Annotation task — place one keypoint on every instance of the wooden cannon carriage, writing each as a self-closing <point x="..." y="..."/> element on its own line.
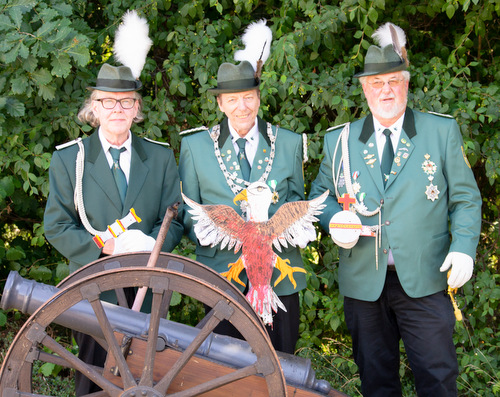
<point x="149" y="355"/>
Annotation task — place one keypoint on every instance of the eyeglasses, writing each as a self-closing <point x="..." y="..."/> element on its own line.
<point x="380" y="84"/>
<point x="110" y="103"/>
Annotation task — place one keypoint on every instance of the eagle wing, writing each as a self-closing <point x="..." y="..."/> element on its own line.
<point x="216" y="224"/>
<point x="293" y="222"/>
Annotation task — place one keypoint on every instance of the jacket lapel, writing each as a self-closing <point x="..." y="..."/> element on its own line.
<point x="369" y="154"/>
<point x="263" y="152"/>
<point x="404" y="149"/>
<point x="99" y="169"/>
<point x="138" y="172"/>
<point x="405" y="146"/>
<point x="228" y="154"/>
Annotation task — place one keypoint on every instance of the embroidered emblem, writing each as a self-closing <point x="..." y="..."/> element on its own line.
<point x="430" y="168"/>
<point x="432" y="192"/>
<point x="273" y="184"/>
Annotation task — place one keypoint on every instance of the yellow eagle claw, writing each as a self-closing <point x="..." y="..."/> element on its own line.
<point x="286" y="271"/>
<point x="234" y="271"/>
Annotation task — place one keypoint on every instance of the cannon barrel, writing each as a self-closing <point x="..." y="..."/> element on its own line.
<point x="28" y="295"/>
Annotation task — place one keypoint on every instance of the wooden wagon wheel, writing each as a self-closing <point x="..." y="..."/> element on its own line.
<point x="164" y="261"/>
<point x="29" y="344"/>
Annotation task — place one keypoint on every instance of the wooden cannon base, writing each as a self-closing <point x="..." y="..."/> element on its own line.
<point x="197" y="370"/>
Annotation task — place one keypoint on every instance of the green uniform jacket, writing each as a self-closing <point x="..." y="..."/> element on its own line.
<point x="153" y="186"/>
<point x="204" y="182"/>
<point x="419" y="231"/>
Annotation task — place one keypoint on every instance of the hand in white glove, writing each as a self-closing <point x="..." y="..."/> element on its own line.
<point x="461" y="268"/>
<point x="133" y="241"/>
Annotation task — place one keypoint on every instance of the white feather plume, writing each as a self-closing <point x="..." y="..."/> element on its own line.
<point x="383" y="36"/>
<point x="257" y="39"/>
<point x="132" y="42"/>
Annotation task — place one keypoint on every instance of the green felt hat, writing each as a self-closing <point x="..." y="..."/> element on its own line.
<point x="235" y="78"/>
<point x="381" y="61"/>
<point x="116" y="79"/>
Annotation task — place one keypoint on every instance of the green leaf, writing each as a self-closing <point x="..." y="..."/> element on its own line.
<point x="47" y="92"/>
<point x="17" y="16"/>
<point x="373" y="15"/>
<point x="42" y="76"/>
<point x="15" y="108"/>
<point x="61" y="66"/>
<point x="40" y="273"/>
<point x="47" y="369"/>
<point x="450" y="11"/>
<point x="5" y="23"/>
<point x="3" y="318"/>
<point x="6" y="187"/>
<point x="46" y="28"/>
<point x="176" y="299"/>
<point x="19" y="84"/>
<point x="309" y="298"/>
<point x="62" y="270"/>
<point x="80" y="54"/>
<point x="15" y="253"/>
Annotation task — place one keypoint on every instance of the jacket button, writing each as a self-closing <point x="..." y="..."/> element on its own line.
<point x="385" y="251"/>
<point x="387" y="223"/>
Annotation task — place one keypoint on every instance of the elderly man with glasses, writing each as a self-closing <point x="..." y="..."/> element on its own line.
<point x="414" y="214"/>
<point x="116" y="171"/>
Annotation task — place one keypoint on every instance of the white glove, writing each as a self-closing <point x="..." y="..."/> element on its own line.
<point x="133" y="241"/>
<point x="461" y="268"/>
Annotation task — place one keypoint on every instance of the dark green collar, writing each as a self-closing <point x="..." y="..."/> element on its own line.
<point x="224" y="131"/>
<point x="408" y="126"/>
<point x="95" y="147"/>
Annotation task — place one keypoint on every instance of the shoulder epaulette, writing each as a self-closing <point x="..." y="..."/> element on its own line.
<point x="157" y="142"/>
<point x="185" y="132"/>
<point x="336" y="127"/>
<point x="68" y="144"/>
<point x="442" y="115"/>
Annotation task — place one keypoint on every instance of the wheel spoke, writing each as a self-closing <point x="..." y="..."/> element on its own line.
<point x="222" y="311"/>
<point x="157" y="285"/>
<point x="79" y="365"/>
<point x="92" y="294"/>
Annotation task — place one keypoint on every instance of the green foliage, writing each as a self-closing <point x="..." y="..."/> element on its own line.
<point x="52" y="50"/>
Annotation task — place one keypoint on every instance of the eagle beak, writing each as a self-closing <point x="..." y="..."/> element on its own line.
<point x="241" y="196"/>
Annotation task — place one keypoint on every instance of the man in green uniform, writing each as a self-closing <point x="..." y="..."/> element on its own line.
<point x="413" y="188"/>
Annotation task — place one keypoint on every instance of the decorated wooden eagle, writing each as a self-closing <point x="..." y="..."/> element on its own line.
<point x="291" y="224"/>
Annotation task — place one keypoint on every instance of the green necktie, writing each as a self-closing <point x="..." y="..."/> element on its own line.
<point x="244" y="164"/>
<point x="387" y="156"/>
<point x="120" y="179"/>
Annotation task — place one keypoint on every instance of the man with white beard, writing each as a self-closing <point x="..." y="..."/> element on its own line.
<point x="409" y="191"/>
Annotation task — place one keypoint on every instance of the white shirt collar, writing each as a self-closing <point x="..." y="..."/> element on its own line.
<point x="125" y="157"/>
<point x="252" y="138"/>
<point x="396" y="129"/>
